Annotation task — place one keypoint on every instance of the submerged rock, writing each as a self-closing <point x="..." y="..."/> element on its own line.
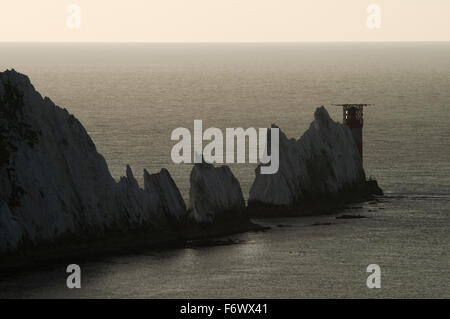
<point x="53" y="182"/>
<point x="350" y="217"/>
<point x="215" y="195"/>
<point x="323" y="165"/>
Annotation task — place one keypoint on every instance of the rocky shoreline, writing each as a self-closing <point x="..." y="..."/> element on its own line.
<point x="58" y="198"/>
<point x="91" y="247"/>
<point x="320" y="205"/>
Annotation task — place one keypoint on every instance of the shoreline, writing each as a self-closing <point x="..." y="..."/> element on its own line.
<point x="328" y="205"/>
<point x="90" y="248"/>
<point x="121" y="242"/>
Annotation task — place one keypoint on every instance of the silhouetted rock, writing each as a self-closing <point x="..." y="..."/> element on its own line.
<point x="215" y="195"/>
<point x="323" y="166"/>
<point x="54" y="183"/>
<point x="350" y="217"/>
<point x="170" y="201"/>
<point x="373" y="188"/>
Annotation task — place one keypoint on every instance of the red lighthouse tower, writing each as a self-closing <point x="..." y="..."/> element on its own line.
<point x="353" y="117"/>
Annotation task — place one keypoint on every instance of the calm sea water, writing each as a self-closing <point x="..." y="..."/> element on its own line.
<point x="130" y="98"/>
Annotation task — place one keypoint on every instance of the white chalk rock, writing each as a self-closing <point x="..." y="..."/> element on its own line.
<point x="54" y="182"/>
<point x="322" y="163"/>
<point x="215" y="194"/>
<point x="170" y="203"/>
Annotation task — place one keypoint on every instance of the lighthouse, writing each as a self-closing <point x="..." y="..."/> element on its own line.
<point x="353" y="117"/>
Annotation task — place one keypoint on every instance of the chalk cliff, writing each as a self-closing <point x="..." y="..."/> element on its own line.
<point x="54" y="183"/>
<point x="169" y="199"/>
<point x="323" y="164"/>
<point x="215" y="194"/>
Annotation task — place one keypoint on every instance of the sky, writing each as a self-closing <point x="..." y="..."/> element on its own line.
<point x="223" y="21"/>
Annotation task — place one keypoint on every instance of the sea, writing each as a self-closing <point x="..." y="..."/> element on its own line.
<point x="131" y="96"/>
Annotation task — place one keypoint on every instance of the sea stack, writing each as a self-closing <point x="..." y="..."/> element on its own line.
<point x="322" y="167"/>
<point x="55" y="185"/>
<point x="215" y="195"/>
<point x="170" y="202"/>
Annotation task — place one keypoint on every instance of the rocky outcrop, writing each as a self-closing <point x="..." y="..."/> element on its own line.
<point x="323" y="165"/>
<point x="170" y="202"/>
<point x="215" y="195"/>
<point x="54" y="183"/>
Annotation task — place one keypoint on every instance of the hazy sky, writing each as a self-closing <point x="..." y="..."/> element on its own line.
<point x="224" y="20"/>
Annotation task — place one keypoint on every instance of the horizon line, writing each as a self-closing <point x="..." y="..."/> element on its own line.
<point x="220" y="42"/>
